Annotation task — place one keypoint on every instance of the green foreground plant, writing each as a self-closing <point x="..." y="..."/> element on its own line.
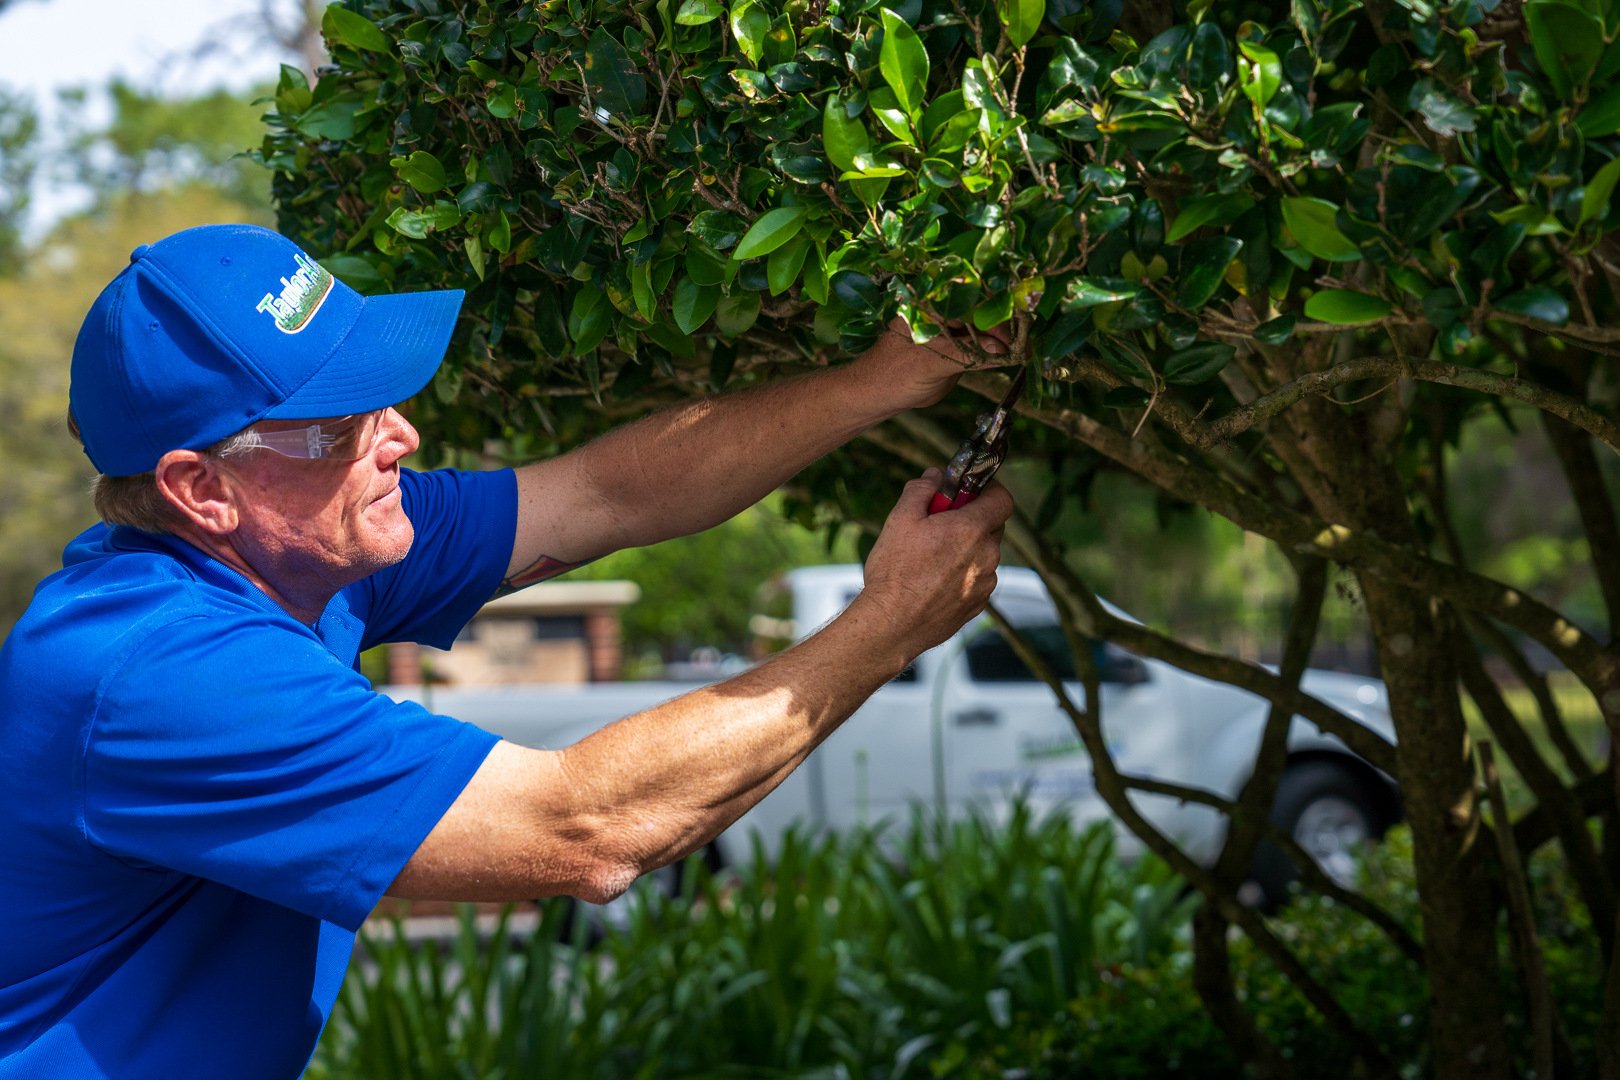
<point x="975" y="949"/>
<point x="874" y="953"/>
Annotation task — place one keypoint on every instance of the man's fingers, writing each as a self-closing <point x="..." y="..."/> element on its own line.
<point x="918" y="493"/>
<point x="996" y="341"/>
<point x="995" y="503"/>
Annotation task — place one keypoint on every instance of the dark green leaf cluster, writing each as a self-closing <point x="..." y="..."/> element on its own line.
<point x="628" y="189"/>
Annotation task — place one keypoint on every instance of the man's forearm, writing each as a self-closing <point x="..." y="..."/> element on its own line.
<point x="692" y="466"/>
<point x="645" y="790"/>
<point x="671" y="778"/>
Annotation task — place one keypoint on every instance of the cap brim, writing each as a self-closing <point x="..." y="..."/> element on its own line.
<point x="391" y="352"/>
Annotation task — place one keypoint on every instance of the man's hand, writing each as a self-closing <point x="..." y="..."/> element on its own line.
<point x="922" y="374"/>
<point x="928" y="575"/>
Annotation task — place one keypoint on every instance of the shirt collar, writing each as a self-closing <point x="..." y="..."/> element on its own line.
<point x="338" y="628"/>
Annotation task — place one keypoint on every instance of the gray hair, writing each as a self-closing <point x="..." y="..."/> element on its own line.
<point x="136" y="500"/>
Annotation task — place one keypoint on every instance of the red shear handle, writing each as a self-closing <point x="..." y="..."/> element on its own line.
<point x="942" y="501"/>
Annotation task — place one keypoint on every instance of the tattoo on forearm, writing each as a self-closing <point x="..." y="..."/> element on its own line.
<point x="541" y="569"/>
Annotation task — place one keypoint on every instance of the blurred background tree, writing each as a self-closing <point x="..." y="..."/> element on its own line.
<point x="148" y="164"/>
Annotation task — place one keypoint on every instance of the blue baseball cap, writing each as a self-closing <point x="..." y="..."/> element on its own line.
<point x="216" y="327"/>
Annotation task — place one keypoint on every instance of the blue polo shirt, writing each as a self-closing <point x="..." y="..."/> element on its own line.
<point x="201" y="798"/>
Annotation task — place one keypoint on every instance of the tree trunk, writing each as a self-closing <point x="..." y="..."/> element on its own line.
<point x="1436" y="777"/>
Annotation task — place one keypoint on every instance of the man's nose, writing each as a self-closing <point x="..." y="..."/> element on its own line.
<point x="398" y="438"/>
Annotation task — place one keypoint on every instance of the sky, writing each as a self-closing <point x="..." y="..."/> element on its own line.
<point x="174" y="46"/>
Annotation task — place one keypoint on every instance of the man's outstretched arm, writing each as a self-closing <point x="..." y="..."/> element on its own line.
<point x="692" y="466"/>
<point x="647" y="789"/>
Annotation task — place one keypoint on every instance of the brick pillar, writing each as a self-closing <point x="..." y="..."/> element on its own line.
<point x="405" y="663"/>
<point x="603" y="655"/>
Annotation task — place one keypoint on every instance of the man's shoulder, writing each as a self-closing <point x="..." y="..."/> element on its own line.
<point x="118" y="588"/>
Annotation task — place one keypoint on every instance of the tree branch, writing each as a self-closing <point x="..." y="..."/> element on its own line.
<point x="1595" y="666"/>
<point x="1320" y="383"/>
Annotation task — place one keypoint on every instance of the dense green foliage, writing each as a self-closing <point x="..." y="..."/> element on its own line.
<point x="692" y="175"/>
<point x="994" y="950"/>
<point x="870" y="951"/>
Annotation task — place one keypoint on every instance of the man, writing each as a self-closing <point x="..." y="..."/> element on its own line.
<point x="201" y="797"/>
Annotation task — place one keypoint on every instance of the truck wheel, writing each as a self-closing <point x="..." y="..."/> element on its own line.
<point x="1331" y="811"/>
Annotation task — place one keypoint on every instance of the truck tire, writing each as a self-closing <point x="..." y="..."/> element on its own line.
<point x="1331" y="810"/>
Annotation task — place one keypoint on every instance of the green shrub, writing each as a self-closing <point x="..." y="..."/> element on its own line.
<point x="874" y="953"/>
<point x="965" y="949"/>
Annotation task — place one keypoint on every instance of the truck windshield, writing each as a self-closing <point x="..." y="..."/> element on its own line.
<point x="990" y="658"/>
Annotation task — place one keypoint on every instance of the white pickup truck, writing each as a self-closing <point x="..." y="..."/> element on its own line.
<point x="968" y="724"/>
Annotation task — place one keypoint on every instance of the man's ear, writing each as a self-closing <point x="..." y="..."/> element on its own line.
<point x="201" y="489"/>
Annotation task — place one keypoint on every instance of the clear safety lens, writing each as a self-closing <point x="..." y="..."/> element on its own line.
<point x="348" y="438"/>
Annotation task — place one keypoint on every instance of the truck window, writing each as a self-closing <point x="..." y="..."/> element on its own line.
<point x="990" y="658"/>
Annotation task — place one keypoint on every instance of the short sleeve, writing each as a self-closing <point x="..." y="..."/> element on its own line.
<point x="465" y="524"/>
<point x="234" y="749"/>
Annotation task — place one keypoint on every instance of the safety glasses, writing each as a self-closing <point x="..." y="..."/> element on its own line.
<point x="348" y="438"/>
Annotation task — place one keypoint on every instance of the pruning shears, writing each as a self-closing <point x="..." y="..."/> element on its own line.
<point x="977" y="459"/>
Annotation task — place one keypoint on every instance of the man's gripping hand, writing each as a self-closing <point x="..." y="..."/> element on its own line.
<point x="928" y="575"/>
<point x="921" y="374"/>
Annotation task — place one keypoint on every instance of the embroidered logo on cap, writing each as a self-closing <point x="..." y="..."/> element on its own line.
<point x="301" y="296"/>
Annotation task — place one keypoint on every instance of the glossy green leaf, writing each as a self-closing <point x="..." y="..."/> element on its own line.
<point x="693" y="304"/>
<point x="1601" y="115"/>
<point x="1276" y="331"/>
<point x="856" y="291"/>
<point x="773" y="229"/>
<point x="1346" y="307"/>
<point x="736" y="314"/>
<point x="1537" y="222"/>
<point x="1212" y="210"/>
<point x="792" y="78"/>
<point x="1443" y="111"/>
<point x="1021" y="18"/>
<point x="1262" y="75"/>
<point x="641" y="291"/>
<point x="1119" y="358"/>
<point x="1196" y="363"/>
<point x="342" y="26"/>
<point x="1595" y="199"/>
<point x="502" y="102"/>
<point x="1209" y="60"/>
<point x="1312" y="223"/>
<point x="1089" y="292"/>
<point x="610" y="74"/>
<point x="815" y="277"/>
<point x="417" y="223"/>
<point x="844" y="138"/>
<point x="590" y="318"/>
<point x="330" y="120"/>
<point x="1568" y="43"/>
<point x="1065" y="335"/>
<point x="903" y="62"/>
<point x="783" y="266"/>
<point x="293" y="94"/>
<point x="698" y="12"/>
<point x="750" y="25"/>
<point x="719" y="229"/>
<point x="1203" y="267"/>
<point x="1539" y="303"/>
<point x="357" y="272"/>
<point x="993" y="312"/>
<point x="499" y="233"/>
<point x="422" y="171"/>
